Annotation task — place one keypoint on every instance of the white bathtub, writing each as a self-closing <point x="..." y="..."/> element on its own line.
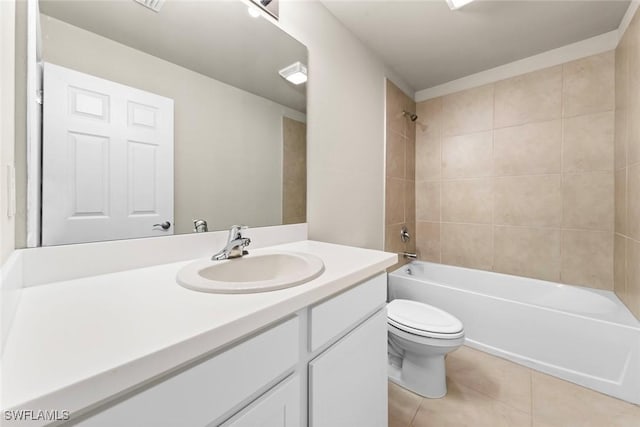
<point x="582" y="335"/>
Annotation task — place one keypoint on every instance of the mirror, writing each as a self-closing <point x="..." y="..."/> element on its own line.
<point x="154" y="119"/>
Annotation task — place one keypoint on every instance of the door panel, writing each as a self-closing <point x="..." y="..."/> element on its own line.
<point x="142" y="178"/>
<point x="107" y="160"/>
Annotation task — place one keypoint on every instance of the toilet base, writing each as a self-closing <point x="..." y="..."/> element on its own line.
<point x="425" y="376"/>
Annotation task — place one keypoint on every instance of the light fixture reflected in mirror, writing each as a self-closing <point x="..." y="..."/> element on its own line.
<point x="270" y="6"/>
<point x="254" y="12"/>
<point x="458" y="4"/>
<point x="154" y="5"/>
<point x="295" y="73"/>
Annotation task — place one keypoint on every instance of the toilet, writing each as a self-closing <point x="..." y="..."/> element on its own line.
<point x="420" y="335"/>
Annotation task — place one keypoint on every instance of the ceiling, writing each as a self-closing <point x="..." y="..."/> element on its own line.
<point x="428" y="44"/>
<point x="215" y="38"/>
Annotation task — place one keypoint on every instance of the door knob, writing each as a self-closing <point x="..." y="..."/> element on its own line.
<point x="165" y="225"/>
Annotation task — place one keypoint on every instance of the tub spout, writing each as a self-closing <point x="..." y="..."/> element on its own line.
<point x="409" y="255"/>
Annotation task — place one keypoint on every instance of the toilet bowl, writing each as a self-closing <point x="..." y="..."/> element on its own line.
<point x="420" y="336"/>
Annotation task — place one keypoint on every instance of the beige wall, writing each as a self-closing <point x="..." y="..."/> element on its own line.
<point x="627" y="168"/>
<point x="400" y="202"/>
<point x="217" y="177"/>
<point x="345" y="129"/>
<point x="7" y="96"/>
<point x="294" y="171"/>
<point x="517" y="176"/>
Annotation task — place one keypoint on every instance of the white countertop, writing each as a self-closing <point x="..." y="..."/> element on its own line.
<point x="76" y="343"/>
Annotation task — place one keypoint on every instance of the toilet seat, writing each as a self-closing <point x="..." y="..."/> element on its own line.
<point x="423" y="320"/>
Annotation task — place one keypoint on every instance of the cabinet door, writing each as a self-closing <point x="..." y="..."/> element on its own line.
<point x="279" y="407"/>
<point x="348" y="382"/>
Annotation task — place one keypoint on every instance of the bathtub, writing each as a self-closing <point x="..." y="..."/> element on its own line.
<point x="582" y="335"/>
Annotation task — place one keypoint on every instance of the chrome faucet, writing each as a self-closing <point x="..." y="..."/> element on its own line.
<point x="200" y="226"/>
<point x="236" y="244"/>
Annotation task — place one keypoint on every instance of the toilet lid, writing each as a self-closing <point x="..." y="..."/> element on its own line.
<point x="416" y="316"/>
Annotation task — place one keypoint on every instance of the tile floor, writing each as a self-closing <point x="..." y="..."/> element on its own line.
<point x="485" y="390"/>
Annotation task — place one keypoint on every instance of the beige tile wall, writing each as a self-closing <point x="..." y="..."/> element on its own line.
<point x="400" y="188"/>
<point x="294" y="171"/>
<point x="518" y="176"/>
<point x="627" y="168"/>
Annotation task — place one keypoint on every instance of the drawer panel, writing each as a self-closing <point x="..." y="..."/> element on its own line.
<point x="342" y="312"/>
<point x="205" y="392"/>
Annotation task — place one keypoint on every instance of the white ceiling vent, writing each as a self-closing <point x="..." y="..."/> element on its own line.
<point x="154" y="5"/>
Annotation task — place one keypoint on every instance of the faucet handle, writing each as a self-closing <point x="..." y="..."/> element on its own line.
<point x="236" y="231"/>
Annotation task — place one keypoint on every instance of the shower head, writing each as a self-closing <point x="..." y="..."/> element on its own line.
<point x="412" y="116"/>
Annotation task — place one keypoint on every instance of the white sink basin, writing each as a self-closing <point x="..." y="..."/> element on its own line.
<point x="256" y="272"/>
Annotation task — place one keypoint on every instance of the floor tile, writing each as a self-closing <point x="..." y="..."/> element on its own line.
<point x="403" y="406"/>
<point x="497" y="378"/>
<point x="560" y="403"/>
<point x="466" y="407"/>
<point x="484" y="390"/>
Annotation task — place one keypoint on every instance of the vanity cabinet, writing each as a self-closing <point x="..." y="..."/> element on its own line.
<point x="324" y="366"/>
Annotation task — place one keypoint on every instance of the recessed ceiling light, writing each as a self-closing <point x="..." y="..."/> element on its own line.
<point x="458" y="4"/>
<point x="295" y="73"/>
<point x="253" y="11"/>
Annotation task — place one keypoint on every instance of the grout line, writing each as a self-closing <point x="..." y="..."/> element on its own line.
<point x="415" y="414"/>
<point x="625" y="283"/>
<point x="482" y="392"/>
<point x="532" y="122"/>
<point x="493" y="187"/>
<point x="440" y="142"/>
<point x="556" y="174"/>
<point x="562" y="167"/>
<point x="627" y="166"/>
<point x="534" y="227"/>
<point x="531" y="396"/>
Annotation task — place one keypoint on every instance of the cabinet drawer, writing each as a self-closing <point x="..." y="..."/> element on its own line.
<point x="280" y="407"/>
<point x="340" y="313"/>
<point x="208" y="390"/>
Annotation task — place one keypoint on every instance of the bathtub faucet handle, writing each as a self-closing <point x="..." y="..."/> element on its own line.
<point x="404" y="234"/>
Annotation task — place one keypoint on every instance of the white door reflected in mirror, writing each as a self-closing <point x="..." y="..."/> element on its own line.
<point x="107" y="160"/>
